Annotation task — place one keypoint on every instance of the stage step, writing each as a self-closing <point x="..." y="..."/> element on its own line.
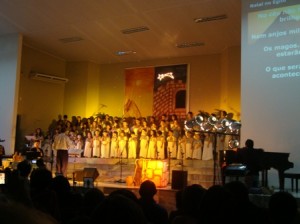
<point x="201" y="172"/>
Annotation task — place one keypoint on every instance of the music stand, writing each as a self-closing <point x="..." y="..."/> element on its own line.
<point x="76" y="153"/>
<point x="32" y="155"/>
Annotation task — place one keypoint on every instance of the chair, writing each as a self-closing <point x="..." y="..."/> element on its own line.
<point x="294" y="178"/>
<point x="236" y="170"/>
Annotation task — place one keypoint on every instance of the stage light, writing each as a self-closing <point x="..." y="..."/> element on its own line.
<point x="222" y="125"/>
<point x="233" y="143"/>
<point x="189" y="124"/>
<point x="212" y="120"/>
<point x="206" y="126"/>
<point x="210" y="123"/>
<point x="199" y="119"/>
<point x="235" y="126"/>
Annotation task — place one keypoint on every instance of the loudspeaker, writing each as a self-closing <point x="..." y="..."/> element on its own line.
<point x="179" y="179"/>
<point x="90" y="172"/>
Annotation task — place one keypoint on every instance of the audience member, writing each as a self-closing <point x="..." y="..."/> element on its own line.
<point x="154" y="212"/>
<point x="283" y="208"/>
<point x="179" y="206"/>
<point x="117" y="208"/>
<point x="247" y="211"/>
<point x="127" y="193"/>
<point x="191" y="198"/>
<point x="24" y="168"/>
<point x="91" y="199"/>
<point x="70" y="202"/>
<point x="218" y="206"/>
<point x="14" y="212"/>
<point x="43" y="197"/>
<point x="16" y="187"/>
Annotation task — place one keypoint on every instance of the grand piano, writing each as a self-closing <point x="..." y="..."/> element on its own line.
<point x="268" y="160"/>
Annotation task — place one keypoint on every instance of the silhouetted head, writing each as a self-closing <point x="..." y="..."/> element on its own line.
<point x="191" y="198"/>
<point x="40" y="179"/>
<point x="24" y="168"/>
<point x="127" y="193"/>
<point x="61" y="185"/>
<point x="147" y="189"/>
<point x="282" y="207"/>
<point x="249" y="143"/>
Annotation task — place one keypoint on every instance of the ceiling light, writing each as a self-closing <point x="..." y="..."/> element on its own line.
<point x="135" y="30"/>
<point x="70" y="39"/>
<point x="211" y="18"/>
<point x="121" y="53"/>
<point x="191" y="44"/>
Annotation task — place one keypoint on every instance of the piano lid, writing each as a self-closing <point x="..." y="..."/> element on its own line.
<point x="276" y="160"/>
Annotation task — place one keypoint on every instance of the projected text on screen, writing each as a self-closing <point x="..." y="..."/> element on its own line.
<point x="274" y="37"/>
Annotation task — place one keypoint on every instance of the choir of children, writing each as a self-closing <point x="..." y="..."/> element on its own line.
<point x="107" y="137"/>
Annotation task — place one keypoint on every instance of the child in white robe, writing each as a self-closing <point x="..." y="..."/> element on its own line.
<point x="144" y="141"/>
<point x="114" y="148"/>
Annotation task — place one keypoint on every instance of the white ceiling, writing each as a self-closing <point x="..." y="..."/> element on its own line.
<point x="99" y="23"/>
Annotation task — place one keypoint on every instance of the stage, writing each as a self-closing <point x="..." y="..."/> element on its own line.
<point x="110" y="177"/>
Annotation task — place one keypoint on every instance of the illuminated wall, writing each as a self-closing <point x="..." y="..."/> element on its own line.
<point x="101" y="88"/>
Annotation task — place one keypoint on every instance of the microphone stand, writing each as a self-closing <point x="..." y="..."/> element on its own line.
<point x="121" y="163"/>
<point x="169" y="161"/>
<point x="215" y="134"/>
<point x="182" y="154"/>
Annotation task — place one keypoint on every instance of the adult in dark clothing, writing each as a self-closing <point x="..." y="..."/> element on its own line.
<point x="179" y="206"/>
<point x="35" y="152"/>
<point x="154" y="212"/>
<point x="246" y="211"/>
<point x="43" y="197"/>
<point x="192" y="196"/>
<point x="118" y="208"/>
<point x="252" y="158"/>
<point x="70" y="202"/>
<point x="283" y="208"/>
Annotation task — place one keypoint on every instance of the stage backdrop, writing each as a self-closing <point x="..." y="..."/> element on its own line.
<point x="156" y="91"/>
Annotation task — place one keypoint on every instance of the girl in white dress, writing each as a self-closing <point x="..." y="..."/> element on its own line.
<point x="132" y="146"/>
<point x="188" y="145"/>
<point x="160" y="144"/>
<point x="197" y="146"/>
<point x="47" y="147"/>
<point x="97" y="144"/>
<point x="105" y="144"/>
<point x="208" y="147"/>
<point x="88" y="146"/>
<point x="152" y="145"/>
<point x="79" y="143"/>
<point x="181" y="148"/>
<point x="171" y="145"/>
<point x="185" y="146"/>
<point x="122" y="139"/>
<point x="114" y="148"/>
<point x="144" y="141"/>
